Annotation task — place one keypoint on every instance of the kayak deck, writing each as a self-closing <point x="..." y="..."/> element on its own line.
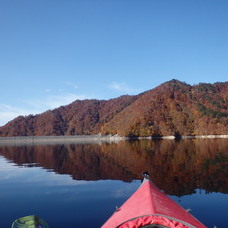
<point x="148" y="205"/>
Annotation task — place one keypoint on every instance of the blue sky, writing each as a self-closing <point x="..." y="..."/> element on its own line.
<point x="53" y="52"/>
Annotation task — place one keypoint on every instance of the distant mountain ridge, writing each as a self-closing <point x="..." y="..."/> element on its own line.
<point x="173" y="108"/>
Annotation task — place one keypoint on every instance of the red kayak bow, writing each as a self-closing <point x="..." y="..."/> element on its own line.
<point x="149" y="207"/>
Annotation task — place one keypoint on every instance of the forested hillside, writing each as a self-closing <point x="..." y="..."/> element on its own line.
<point x="173" y="108"/>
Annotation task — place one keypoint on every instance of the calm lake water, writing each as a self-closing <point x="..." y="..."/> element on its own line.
<point x="80" y="185"/>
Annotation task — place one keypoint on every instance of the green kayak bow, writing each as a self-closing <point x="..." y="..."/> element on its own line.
<point x="31" y="221"/>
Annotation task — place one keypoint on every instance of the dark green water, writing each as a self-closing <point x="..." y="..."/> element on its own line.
<point x="80" y="185"/>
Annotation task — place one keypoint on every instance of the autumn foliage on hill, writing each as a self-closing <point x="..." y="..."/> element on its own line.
<point x="173" y="108"/>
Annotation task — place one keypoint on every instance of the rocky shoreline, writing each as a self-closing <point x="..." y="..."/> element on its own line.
<point x="91" y="138"/>
<point x="58" y="139"/>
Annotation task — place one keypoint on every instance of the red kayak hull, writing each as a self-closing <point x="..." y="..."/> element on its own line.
<point x="148" y="205"/>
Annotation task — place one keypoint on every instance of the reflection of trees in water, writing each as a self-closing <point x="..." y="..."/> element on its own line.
<point x="81" y="161"/>
<point x="177" y="167"/>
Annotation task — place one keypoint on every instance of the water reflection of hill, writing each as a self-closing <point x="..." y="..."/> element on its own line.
<point x="177" y="167"/>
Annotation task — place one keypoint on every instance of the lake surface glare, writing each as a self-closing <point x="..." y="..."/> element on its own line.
<point x="80" y="185"/>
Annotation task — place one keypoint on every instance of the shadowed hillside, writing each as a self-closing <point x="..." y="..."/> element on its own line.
<point x="173" y="108"/>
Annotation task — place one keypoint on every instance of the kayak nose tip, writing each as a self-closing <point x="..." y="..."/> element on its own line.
<point x="146" y="175"/>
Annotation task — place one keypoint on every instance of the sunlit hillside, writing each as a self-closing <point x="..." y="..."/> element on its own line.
<point x="173" y="108"/>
